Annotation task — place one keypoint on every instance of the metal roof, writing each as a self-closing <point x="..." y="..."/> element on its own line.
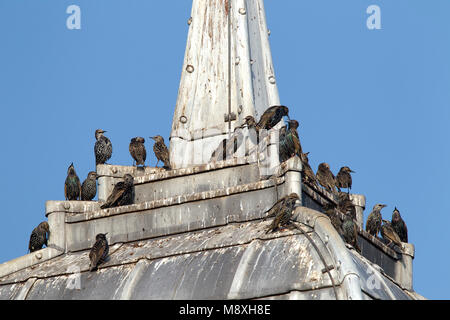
<point x="235" y="261"/>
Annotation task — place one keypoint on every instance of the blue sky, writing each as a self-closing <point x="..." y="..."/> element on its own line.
<point x="375" y="100"/>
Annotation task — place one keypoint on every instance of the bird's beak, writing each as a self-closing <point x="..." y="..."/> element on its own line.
<point x="384" y="205"/>
<point x="352" y="171"/>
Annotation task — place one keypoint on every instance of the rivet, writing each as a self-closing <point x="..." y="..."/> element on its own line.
<point x="238" y="60"/>
<point x="272" y="80"/>
<point x="114" y="170"/>
<point x="252" y="61"/>
<point x="183" y="119"/>
<point x="240" y="109"/>
<point x="66" y="205"/>
<point x="190" y="68"/>
<point x="189" y="21"/>
<point x="268" y="32"/>
<point x="38" y="256"/>
<point x="242" y="11"/>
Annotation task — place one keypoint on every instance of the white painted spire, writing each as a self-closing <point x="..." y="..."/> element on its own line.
<point x="207" y="98"/>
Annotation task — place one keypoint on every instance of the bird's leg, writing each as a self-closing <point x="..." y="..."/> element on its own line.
<point x="157" y="163"/>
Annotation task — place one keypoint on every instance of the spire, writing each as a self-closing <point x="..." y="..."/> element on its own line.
<point x="227" y="75"/>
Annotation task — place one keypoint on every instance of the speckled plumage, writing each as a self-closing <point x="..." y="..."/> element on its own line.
<point x="344" y="178"/>
<point x="122" y="194"/>
<point x="161" y="151"/>
<point x="137" y="150"/>
<point x="325" y="177"/>
<point x="39" y="237"/>
<point x="350" y="232"/>
<point x="399" y="225"/>
<point x="269" y="119"/>
<point x="99" y="251"/>
<point x="336" y="221"/>
<point x="388" y="233"/>
<point x="373" y="223"/>
<point x="272" y="116"/>
<point x="102" y="147"/>
<point x="345" y="205"/>
<point x="290" y="142"/>
<point x="89" y="187"/>
<point x="72" y="185"/>
<point x="282" y="210"/>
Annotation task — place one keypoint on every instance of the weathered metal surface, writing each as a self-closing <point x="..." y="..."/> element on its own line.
<point x="202" y="182"/>
<point x="10" y="291"/>
<point x="375" y="283"/>
<point x="237" y="261"/>
<point x="205" y="88"/>
<point x="319" y="294"/>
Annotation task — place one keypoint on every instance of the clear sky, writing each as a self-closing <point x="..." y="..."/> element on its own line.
<point x="375" y="100"/>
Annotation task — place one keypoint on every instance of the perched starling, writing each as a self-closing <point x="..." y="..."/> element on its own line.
<point x="269" y="119"/>
<point x="399" y="225"/>
<point x="282" y="210"/>
<point x="89" y="187"/>
<point x="373" y="223"/>
<point x="39" y="237"/>
<point x="137" y="150"/>
<point x="122" y="194"/>
<point x="308" y="173"/>
<point x="290" y="142"/>
<point x="346" y="206"/>
<point x="344" y="178"/>
<point x="272" y="116"/>
<point x="350" y="232"/>
<point x="388" y="233"/>
<point x="102" y="147"/>
<point x="250" y="122"/>
<point x="161" y="151"/>
<point x="336" y="221"/>
<point x="99" y="251"/>
<point x="72" y="186"/>
<point x="326" y="177"/>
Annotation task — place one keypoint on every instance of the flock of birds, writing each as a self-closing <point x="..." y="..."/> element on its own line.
<point x="122" y="194"/>
<point x="394" y="231"/>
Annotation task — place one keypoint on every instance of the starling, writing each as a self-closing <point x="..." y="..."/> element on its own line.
<point x="308" y="173"/>
<point x="346" y="206"/>
<point x="269" y="119"/>
<point x="336" y="221"/>
<point x="250" y="122"/>
<point x="388" y="233"/>
<point x="99" y="251"/>
<point x="373" y="223"/>
<point x="350" y="232"/>
<point x="290" y="142"/>
<point x="102" y="147"/>
<point x="399" y="225"/>
<point x="282" y="210"/>
<point x="326" y="177"/>
<point x="272" y="116"/>
<point x="72" y="186"/>
<point x="89" y="187"/>
<point x="122" y="194"/>
<point x="344" y="178"/>
<point x="39" y="237"/>
<point x="137" y="150"/>
<point x="161" y="151"/>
